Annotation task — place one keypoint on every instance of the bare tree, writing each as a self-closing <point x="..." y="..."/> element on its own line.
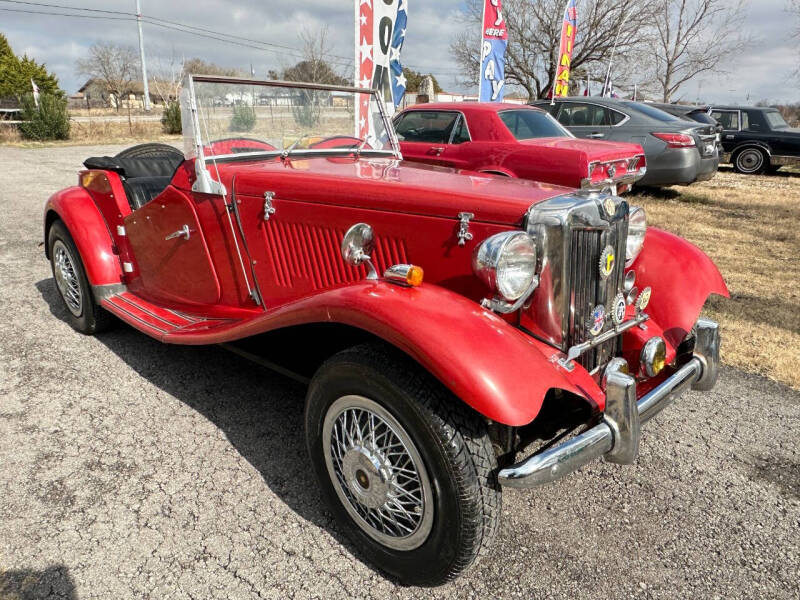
<point x="692" y="37"/>
<point x="168" y="77"/>
<point x="114" y="67"/>
<point x="315" y="67"/>
<point x="535" y="33"/>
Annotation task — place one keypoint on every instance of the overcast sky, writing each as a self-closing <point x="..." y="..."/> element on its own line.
<point x="763" y="72"/>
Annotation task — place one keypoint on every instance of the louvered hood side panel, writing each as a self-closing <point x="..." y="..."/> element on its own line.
<point x="301" y="253"/>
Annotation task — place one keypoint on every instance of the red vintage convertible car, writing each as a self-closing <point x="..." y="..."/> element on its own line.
<point x="515" y="141"/>
<point x="458" y="332"/>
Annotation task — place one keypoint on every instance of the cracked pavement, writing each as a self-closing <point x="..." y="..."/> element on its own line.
<point x="132" y="469"/>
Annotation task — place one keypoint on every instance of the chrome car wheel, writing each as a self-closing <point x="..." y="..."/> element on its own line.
<point x="67" y="278"/>
<point x="750" y="161"/>
<point x="378" y="473"/>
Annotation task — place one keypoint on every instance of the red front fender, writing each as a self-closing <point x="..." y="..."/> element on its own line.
<point x="495" y="368"/>
<point x="75" y="207"/>
<point x="682" y="278"/>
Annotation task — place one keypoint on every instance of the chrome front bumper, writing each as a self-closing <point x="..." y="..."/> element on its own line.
<point x="616" y="437"/>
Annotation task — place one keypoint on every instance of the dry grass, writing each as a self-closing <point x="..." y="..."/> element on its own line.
<point x="112" y="112"/>
<point x="111" y="132"/>
<point x="9" y="134"/>
<point x="749" y="227"/>
<point x="97" y="131"/>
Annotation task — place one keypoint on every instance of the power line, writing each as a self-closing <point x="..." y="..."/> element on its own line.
<point x="229" y="41"/>
<point x="61" y="6"/>
<point x="57" y="14"/>
<point x="190" y="30"/>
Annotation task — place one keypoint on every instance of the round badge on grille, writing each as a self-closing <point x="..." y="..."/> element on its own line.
<point x="607" y="262"/>
<point x="644" y="299"/>
<point x="608" y="203"/>
<point x="618" y="309"/>
<point x="596" y="320"/>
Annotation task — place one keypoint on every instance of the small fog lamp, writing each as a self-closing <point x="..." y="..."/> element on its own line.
<point x="654" y="356"/>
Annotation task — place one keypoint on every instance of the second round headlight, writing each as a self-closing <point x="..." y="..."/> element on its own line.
<point x="506" y="262"/>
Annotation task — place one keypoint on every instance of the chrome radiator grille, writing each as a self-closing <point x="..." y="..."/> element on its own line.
<point x="587" y="289"/>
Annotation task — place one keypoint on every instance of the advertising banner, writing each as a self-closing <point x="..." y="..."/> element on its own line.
<point x="493" y="52"/>
<point x="568" y="32"/>
<point x="380" y="35"/>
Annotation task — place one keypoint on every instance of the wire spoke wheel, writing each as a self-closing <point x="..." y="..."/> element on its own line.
<point x="66" y="278"/>
<point x="378" y="473"/>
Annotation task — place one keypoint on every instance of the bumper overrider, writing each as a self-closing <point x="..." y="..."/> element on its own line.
<point x="616" y="437"/>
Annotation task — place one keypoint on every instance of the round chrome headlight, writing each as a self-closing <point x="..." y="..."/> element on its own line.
<point x="637" y="229"/>
<point x="506" y="262"/>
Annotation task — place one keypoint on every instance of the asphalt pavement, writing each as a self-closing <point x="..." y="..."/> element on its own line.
<point x="132" y="469"/>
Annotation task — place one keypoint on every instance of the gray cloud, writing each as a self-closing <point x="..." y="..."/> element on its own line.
<point x="763" y="72"/>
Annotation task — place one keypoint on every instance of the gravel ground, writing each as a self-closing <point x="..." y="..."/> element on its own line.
<point x="130" y="469"/>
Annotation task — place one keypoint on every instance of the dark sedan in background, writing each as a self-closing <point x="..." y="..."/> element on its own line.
<point x="678" y="152"/>
<point x="756" y="139"/>
<point x="690" y="112"/>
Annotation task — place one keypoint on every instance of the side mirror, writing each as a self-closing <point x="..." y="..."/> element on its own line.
<point x="358" y="245"/>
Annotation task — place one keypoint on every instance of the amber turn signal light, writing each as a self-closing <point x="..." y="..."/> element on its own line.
<point x="408" y="275"/>
<point x="95" y="181"/>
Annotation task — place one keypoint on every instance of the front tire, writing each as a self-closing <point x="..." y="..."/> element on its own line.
<point x="406" y="468"/>
<point x="750" y="161"/>
<point x="73" y="285"/>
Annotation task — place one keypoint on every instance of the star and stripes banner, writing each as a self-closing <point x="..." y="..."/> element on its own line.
<point x="568" y="32"/>
<point x="493" y="52"/>
<point x="380" y="34"/>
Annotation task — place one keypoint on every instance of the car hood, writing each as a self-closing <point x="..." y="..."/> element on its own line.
<point x="594" y="150"/>
<point x="391" y="185"/>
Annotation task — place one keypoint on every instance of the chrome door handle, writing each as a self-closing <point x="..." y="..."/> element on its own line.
<point x="437" y="151"/>
<point x="597" y="135"/>
<point x="183" y="232"/>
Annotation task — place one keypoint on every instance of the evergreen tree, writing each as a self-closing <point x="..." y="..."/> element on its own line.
<point x="16" y="74"/>
<point x="5" y="47"/>
<point x="414" y="80"/>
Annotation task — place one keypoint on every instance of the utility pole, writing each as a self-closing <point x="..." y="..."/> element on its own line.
<point x="141" y="55"/>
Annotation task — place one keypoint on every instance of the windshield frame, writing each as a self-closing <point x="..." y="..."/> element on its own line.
<point x="189" y="108"/>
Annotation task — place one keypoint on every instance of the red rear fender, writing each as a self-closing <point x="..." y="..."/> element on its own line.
<point x="75" y="207"/>
<point x="682" y="278"/>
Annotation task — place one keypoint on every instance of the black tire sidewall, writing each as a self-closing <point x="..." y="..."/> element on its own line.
<point x="430" y="563"/>
<point x="761" y="169"/>
<point x="87" y="321"/>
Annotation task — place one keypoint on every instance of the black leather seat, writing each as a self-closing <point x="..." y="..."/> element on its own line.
<point x="144" y="178"/>
<point x="141" y="190"/>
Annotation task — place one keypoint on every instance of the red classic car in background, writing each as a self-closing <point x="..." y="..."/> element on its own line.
<point x="515" y="141"/>
<point x="446" y="323"/>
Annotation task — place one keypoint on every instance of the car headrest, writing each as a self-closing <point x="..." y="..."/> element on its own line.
<point x="579" y="118"/>
<point x="157" y="166"/>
